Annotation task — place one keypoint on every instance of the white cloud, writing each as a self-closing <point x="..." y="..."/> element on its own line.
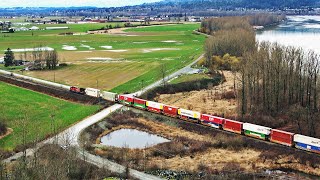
<point x="69" y="3"/>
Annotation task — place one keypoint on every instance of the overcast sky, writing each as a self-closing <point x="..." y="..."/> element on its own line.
<point x="68" y="3"/>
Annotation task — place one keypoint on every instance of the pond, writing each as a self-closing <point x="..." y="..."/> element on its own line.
<point x="131" y="138"/>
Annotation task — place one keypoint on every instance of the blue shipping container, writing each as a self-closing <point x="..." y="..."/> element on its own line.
<point x="308" y="147"/>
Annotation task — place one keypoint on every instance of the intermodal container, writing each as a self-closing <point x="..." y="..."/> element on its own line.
<point x="213" y="121"/>
<point x="281" y="137"/>
<point x="110" y="96"/>
<point x="139" y="103"/>
<point x="307" y="143"/>
<point x="170" y="110"/>
<point x="187" y="114"/>
<point x="154" y="106"/>
<point x="256" y="131"/>
<point x="232" y="126"/>
<point x="92" y="92"/>
<point x="126" y="99"/>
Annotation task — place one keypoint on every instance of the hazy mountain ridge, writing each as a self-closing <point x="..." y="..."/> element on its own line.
<point x="258" y="4"/>
<point x="191" y="7"/>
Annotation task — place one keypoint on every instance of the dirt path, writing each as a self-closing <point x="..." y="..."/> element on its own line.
<point x="205" y="101"/>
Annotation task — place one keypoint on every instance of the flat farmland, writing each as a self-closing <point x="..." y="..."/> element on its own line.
<point x="30" y="114"/>
<point x="123" y="62"/>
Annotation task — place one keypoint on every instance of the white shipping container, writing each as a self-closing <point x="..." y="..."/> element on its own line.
<point x="154" y="105"/>
<point x="257" y="128"/>
<point x="188" y="113"/>
<point x="92" y="92"/>
<point x="306" y="140"/>
<point x="110" y="96"/>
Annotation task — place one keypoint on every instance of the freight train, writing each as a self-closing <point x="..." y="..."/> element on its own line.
<point x="260" y="132"/>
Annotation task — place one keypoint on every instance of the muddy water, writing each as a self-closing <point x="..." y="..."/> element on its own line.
<point x="131" y="138"/>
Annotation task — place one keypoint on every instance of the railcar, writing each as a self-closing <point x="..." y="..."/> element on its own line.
<point x="281" y="137"/>
<point x="232" y="126"/>
<point x="212" y="121"/>
<point x="154" y="107"/>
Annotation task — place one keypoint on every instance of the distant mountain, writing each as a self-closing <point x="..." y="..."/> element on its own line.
<point x="178" y="8"/>
<point x="226" y="4"/>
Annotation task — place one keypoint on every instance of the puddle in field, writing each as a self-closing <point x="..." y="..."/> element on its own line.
<point x="131" y="138"/>
<point x="69" y="48"/>
<point x="159" y="49"/>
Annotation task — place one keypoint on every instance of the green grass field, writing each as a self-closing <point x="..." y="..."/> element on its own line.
<point x="190" y="77"/>
<point x="17" y="103"/>
<point x="136" y="57"/>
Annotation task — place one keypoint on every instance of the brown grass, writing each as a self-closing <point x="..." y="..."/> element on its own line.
<point x="209" y="101"/>
<point x="109" y="75"/>
<point x="191" y="151"/>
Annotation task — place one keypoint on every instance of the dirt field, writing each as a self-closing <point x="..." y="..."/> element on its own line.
<point x="205" y="101"/>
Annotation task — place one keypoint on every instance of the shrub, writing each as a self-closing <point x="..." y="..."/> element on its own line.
<point x="3" y="128"/>
<point x="229" y="95"/>
<point x="182" y="87"/>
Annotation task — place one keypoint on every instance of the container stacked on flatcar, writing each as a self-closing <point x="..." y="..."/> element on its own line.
<point x="170" y="111"/>
<point x="92" y="92"/>
<point x="212" y="121"/>
<point x="109" y="96"/>
<point x="281" y="137"/>
<point x="139" y="103"/>
<point x="188" y="115"/>
<point x="154" y="106"/>
<point x="232" y="126"/>
<point x="256" y="131"/>
<point x="125" y="99"/>
<point x="307" y="143"/>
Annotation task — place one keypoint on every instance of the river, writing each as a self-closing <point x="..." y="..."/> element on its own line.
<point x="297" y="31"/>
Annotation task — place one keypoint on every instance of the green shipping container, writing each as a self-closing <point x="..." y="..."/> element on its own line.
<point x="140" y="105"/>
<point x="255" y="134"/>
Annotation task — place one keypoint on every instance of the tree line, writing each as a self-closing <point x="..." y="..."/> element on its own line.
<point x="213" y="25"/>
<point x="277" y="79"/>
<point x="41" y="59"/>
<point x="274" y="80"/>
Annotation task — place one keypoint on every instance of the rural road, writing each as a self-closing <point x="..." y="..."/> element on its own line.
<point x="70" y="136"/>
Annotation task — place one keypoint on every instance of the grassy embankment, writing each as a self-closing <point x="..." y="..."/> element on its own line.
<point x="134" y="60"/>
<point x="29" y="113"/>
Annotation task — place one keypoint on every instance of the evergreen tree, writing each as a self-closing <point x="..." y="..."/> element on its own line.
<point x="8" y="58"/>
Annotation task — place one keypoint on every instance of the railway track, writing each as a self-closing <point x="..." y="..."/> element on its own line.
<point x="251" y="141"/>
<point x="52" y="91"/>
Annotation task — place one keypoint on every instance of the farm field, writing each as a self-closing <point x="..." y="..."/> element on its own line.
<point x="123" y="62"/>
<point x="23" y="109"/>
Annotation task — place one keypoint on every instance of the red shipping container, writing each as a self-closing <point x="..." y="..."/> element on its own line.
<point x="281" y="137"/>
<point x="212" y="119"/>
<point x="126" y="98"/>
<point x="140" y="101"/>
<point x="154" y="109"/>
<point x="170" y="110"/>
<point x="233" y="126"/>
